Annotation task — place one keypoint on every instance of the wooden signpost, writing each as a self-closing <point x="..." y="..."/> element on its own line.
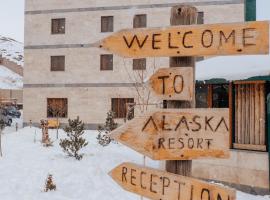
<point x="191" y="40"/>
<point x="173" y="83"/>
<point x="180" y="135"/>
<point x="175" y="134"/>
<point x="160" y="185"/>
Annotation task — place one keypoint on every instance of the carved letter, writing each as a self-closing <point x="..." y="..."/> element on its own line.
<point x="150" y="120"/>
<point x="245" y="36"/>
<point x="169" y="42"/>
<point x="163" y="83"/>
<point x="222" y="35"/>
<point x="130" y="44"/>
<point x="155" y="41"/>
<point x="181" y="84"/>
<point x="184" y="39"/>
<point x="211" y="38"/>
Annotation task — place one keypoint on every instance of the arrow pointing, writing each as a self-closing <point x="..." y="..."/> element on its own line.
<point x="192" y="40"/>
<point x="173" y="83"/>
<point x="160" y="185"/>
<point x="174" y="134"/>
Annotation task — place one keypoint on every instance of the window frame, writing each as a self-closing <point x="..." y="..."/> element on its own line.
<point x="108" y="29"/>
<point x="138" y="16"/>
<point x="121" y="102"/>
<point x="66" y="112"/>
<point x="53" y="68"/>
<point x="58" y="32"/>
<point x="106" y="68"/>
<point x="136" y="64"/>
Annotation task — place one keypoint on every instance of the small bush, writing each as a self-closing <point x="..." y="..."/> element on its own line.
<point x="103" y="136"/>
<point x="49" y="185"/>
<point x="75" y="142"/>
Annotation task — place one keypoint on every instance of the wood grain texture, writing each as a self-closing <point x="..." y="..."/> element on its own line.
<point x="193" y="40"/>
<point x="174" y="134"/>
<point x="160" y="185"/>
<point x="173" y="83"/>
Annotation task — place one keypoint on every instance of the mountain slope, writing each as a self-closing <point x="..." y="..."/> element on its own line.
<point x="11" y="50"/>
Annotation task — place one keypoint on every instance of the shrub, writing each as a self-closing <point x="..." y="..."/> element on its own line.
<point x="74" y="141"/>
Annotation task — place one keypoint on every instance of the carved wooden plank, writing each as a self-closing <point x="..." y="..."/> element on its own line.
<point x="252" y="147"/>
<point x="257" y="114"/>
<point x="174" y="134"/>
<point x="243" y="113"/>
<point x="236" y="113"/>
<point x="173" y="83"/>
<point x="160" y="185"/>
<point x="262" y="115"/>
<point x="192" y="40"/>
<point x="247" y="117"/>
<point x="252" y="114"/>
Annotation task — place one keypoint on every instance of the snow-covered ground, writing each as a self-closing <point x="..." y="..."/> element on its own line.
<point x="26" y="163"/>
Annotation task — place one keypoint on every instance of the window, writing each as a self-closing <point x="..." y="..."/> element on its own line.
<point x="212" y="96"/>
<point x="220" y="96"/>
<point x="106" y="24"/>
<point x="106" y="62"/>
<point x="119" y="106"/>
<point x="57" y="63"/>
<point x="57" y="107"/>
<point x="201" y="96"/>
<point x="139" y="21"/>
<point x="139" y="64"/>
<point x="58" y="26"/>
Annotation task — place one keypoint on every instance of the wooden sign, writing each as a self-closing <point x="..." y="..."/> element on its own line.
<point x="173" y="83"/>
<point x="174" y="134"/>
<point x="160" y="185"/>
<point x="192" y="40"/>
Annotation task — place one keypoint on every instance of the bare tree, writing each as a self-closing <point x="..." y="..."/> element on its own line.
<point x="143" y="95"/>
<point x="57" y="112"/>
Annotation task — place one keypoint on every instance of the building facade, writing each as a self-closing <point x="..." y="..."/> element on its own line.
<point x="62" y="66"/>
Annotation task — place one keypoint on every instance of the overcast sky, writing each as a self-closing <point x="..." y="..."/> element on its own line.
<point x="12" y="17"/>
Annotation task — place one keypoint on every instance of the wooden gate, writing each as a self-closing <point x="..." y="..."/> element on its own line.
<point x="250" y="115"/>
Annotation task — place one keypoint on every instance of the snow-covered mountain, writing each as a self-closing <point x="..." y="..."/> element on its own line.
<point x="9" y="79"/>
<point x="11" y="50"/>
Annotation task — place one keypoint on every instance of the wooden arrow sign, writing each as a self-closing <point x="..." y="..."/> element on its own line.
<point x="160" y="185"/>
<point x="173" y="83"/>
<point x="174" y="134"/>
<point x="191" y="40"/>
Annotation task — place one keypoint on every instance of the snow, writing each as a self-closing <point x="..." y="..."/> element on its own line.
<point x="12" y="50"/>
<point x="25" y="165"/>
<point x="9" y="79"/>
<point x="233" y="67"/>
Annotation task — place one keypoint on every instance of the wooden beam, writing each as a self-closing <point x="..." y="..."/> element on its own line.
<point x="182" y="15"/>
<point x="252" y="147"/>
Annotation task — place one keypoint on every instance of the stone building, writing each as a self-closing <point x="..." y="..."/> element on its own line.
<point x="64" y="69"/>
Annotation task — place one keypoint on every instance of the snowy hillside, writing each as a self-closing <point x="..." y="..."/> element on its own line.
<point x="12" y="50"/>
<point x="9" y="79"/>
<point x="25" y="165"/>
